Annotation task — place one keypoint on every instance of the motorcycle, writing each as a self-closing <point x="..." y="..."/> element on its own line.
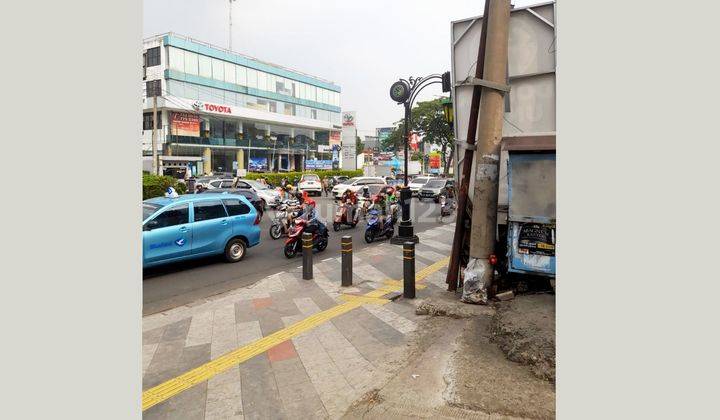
<point x="445" y="208"/>
<point x="342" y="215"/>
<point x="293" y="245"/>
<point x="375" y="230"/>
<point x="284" y="214"/>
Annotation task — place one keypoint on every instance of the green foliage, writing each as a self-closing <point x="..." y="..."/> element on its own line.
<point x="358" y="146"/>
<point x="428" y="120"/>
<point x="155" y="186"/>
<point x="275" y="177"/>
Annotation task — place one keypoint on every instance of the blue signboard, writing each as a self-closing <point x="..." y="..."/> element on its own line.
<point x="318" y="164"/>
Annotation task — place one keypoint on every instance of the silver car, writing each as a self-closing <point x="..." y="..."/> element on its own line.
<point x="432" y="189"/>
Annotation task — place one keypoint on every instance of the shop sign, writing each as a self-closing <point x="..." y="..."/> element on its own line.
<point x="434" y="160"/>
<point x="203" y="106"/>
<point x="184" y="124"/>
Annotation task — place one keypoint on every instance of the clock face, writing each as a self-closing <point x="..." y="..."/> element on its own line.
<point x="399" y="92"/>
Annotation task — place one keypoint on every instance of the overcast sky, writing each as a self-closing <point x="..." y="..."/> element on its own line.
<point x="363" y="46"/>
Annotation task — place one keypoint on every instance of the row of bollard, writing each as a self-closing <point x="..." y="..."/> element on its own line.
<point x="346" y="267"/>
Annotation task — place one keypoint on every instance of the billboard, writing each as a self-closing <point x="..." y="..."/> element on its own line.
<point x="383" y="132"/>
<point x="258" y="164"/>
<point x="318" y="164"/>
<point x="184" y="124"/>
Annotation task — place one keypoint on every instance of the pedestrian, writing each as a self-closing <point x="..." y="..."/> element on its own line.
<point x="326" y="186"/>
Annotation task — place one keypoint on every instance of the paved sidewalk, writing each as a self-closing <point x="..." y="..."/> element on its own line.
<point x="286" y="347"/>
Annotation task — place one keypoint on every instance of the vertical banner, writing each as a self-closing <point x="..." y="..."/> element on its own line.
<point x="349" y="136"/>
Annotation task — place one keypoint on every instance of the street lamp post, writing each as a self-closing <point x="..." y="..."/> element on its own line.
<point x="404" y="92"/>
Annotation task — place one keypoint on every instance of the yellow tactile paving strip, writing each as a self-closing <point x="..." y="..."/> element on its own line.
<point x="206" y="371"/>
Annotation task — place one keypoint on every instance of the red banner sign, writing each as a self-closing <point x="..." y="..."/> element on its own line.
<point x="184" y="124"/>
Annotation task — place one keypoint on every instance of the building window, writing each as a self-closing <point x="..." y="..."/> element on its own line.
<point x="153" y="88"/>
<point x="218" y="68"/>
<point x="240" y="75"/>
<point x="230" y="73"/>
<point x="177" y="59"/>
<point x="148" y="121"/>
<point x="205" y="66"/>
<point x="252" y="77"/>
<point x="152" y="57"/>
<point x="191" y="63"/>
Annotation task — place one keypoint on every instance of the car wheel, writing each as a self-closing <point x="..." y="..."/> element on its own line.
<point x="235" y="250"/>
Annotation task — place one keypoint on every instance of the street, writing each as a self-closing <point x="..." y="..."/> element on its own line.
<point x="172" y="285"/>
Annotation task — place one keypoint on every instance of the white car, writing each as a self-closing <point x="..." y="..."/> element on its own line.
<point x="219" y="183"/>
<point x="355" y="184"/>
<point x="418" y="183"/>
<point x="268" y="195"/>
<point x="310" y="183"/>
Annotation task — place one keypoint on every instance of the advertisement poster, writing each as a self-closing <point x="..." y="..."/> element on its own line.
<point x="414" y="140"/>
<point x="318" y="164"/>
<point x="184" y="124"/>
<point x="258" y="164"/>
<point x="434" y="161"/>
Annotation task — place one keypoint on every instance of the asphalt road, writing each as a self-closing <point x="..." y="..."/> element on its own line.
<point x="172" y="285"/>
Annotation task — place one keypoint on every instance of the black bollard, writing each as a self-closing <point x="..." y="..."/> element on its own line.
<point x="307" y="256"/>
<point x="346" y="250"/>
<point x="409" y="270"/>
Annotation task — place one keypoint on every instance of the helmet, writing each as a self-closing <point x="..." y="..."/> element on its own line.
<point x="310" y="202"/>
<point x="289" y="187"/>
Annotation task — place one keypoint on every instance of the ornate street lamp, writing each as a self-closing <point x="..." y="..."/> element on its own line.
<point x="404" y="92"/>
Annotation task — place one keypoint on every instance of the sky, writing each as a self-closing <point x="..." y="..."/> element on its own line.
<point x="362" y="46"/>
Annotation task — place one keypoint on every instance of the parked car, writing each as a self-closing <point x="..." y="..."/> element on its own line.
<point x="220" y="183"/>
<point x="268" y="195"/>
<point x="203" y="180"/>
<point x="433" y="188"/>
<point x="198" y="225"/>
<point x="354" y="184"/>
<point x="338" y="180"/>
<point x="418" y="183"/>
<point x="248" y="193"/>
<point x="310" y="183"/>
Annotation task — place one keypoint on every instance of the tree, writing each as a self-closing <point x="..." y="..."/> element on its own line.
<point x="394" y="142"/>
<point x="428" y="120"/>
<point x="358" y="145"/>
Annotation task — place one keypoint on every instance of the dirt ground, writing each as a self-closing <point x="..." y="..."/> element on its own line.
<point x="524" y="328"/>
<point x="455" y="369"/>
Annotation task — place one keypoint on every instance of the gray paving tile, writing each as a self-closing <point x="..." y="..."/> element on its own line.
<point x="152" y="336"/>
<point x="244" y="311"/>
<point x="176" y="330"/>
<point x="164" y="364"/>
<point x="260" y="398"/>
<point x="377" y="328"/>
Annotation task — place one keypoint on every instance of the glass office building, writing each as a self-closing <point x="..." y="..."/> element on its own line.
<point x="219" y="111"/>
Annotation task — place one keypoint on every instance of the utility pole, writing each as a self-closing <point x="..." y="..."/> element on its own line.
<point x="489" y="136"/>
<point x="155" y="166"/>
<point x="464" y="176"/>
<point x="230" y="32"/>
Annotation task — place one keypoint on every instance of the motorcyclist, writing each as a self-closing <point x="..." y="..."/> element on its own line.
<point x="379" y="204"/>
<point x="449" y="198"/>
<point x="350" y="199"/>
<point x="310" y="214"/>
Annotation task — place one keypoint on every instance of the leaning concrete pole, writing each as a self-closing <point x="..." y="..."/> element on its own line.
<point x="489" y="135"/>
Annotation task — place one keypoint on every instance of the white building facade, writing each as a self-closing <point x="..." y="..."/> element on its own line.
<point x="220" y="111"/>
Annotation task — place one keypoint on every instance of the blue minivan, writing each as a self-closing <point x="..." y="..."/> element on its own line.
<point x="198" y="225"/>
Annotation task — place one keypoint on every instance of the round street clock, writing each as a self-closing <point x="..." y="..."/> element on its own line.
<point x="399" y="92"/>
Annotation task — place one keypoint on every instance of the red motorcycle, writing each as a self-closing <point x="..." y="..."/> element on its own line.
<point x="342" y="217"/>
<point x="293" y="245"/>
